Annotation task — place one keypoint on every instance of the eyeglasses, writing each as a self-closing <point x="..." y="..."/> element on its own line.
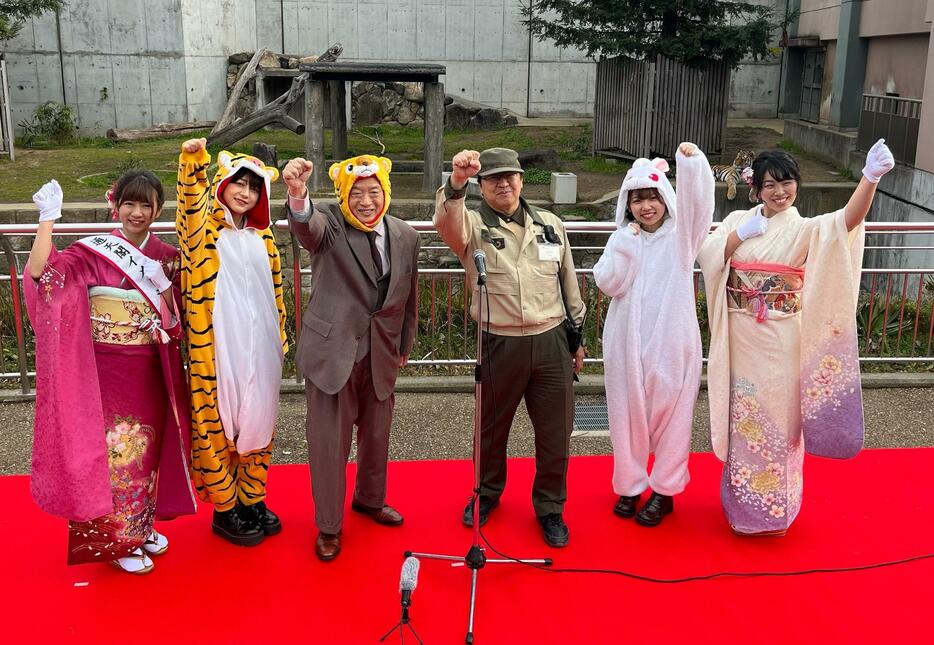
<point x="508" y="177"/>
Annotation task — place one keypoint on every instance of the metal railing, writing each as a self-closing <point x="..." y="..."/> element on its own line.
<point x="894" y="316"/>
<point x="895" y="119"/>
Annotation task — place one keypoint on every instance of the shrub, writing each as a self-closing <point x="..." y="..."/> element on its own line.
<point x="51" y="123"/>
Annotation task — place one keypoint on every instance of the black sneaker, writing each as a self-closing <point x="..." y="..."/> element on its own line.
<point x="554" y="530"/>
<point x="655" y="510"/>
<point x="486" y="506"/>
<point x="236" y="529"/>
<point x="267" y="520"/>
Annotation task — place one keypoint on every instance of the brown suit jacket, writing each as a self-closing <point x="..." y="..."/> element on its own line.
<point x="339" y="321"/>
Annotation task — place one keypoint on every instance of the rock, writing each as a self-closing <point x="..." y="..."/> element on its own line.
<point x="448" y="99"/>
<point x="231" y="80"/>
<point x="398" y="88"/>
<point x="487" y="119"/>
<point x="456" y="117"/>
<point x="405" y="114"/>
<point x="307" y="60"/>
<point x="267" y="153"/>
<point x="510" y="120"/>
<point x="269" y="61"/>
<point x="240" y="58"/>
<point x="416" y="123"/>
<point x="546" y="158"/>
<point x="358" y="89"/>
<point x="292" y="63"/>
<point x="390" y="100"/>
<point x="369" y="110"/>
<point x="414" y="92"/>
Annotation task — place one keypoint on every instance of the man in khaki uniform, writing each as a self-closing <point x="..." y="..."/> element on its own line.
<point x="525" y="354"/>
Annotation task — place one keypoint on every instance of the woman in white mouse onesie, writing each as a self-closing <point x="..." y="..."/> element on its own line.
<point x="651" y="340"/>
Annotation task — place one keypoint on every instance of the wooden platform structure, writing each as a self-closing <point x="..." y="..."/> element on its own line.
<point x="335" y="74"/>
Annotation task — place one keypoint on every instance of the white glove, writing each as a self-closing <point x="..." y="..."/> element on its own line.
<point x="49" y="200"/>
<point x="152" y="269"/>
<point x="879" y="160"/>
<point x="753" y="227"/>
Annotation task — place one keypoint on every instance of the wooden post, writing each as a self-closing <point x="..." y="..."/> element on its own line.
<point x="314" y="133"/>
<point x="434" y="130"/>
<point x="338" y="119"/>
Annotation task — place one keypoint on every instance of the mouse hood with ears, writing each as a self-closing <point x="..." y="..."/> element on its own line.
<point x="645" y="174"/>
<point x="345" y="174"/>
<point x="228" y="164"/>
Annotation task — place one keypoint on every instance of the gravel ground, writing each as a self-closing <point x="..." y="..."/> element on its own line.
<point x="438" y="426"/>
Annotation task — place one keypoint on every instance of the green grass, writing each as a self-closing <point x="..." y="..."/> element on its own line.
<point x="93" y="156"/>
<point x="605" y="167"/>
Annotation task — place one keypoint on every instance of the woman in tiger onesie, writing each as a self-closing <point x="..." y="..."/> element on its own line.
<point x="235" y="315"/>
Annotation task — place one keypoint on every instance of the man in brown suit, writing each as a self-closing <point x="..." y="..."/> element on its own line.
<point x="357" y="331"/>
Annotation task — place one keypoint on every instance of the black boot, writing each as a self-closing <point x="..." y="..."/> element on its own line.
<point x="236" y="529"/>
<point x="626" y="506"/>
<point x="267" y="520"/>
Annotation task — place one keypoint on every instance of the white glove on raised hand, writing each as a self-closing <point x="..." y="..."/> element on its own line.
<point x="879" y="160"/>
<point x="49" y="200"/>
<point x="152" y="269"/>
<point x="753" y="227"/>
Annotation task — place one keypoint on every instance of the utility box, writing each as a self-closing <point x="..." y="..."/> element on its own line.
<point x="563" y="188"/>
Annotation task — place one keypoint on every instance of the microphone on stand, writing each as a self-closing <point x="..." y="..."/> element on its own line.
<point x="479" y="259"/>
<point x="409" y="579"/>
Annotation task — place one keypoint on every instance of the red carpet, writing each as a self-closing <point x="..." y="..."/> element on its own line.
<point x="877" y="507"/>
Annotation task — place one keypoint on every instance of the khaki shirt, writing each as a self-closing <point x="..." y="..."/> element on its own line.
<point x="525" y="298"/>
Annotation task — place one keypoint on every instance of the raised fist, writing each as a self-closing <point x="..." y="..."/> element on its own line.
<point x="296" y="174"/>
<point x="49" y="200"/>
<point x="879" y="160"/>
<point x="687" y="149"/>
<point x="194" y="145"/>
<point x="466" y="164"/>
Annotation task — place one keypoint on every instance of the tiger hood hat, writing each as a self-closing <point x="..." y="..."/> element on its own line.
<point x="228" y="164"/>
<point x="346" y="173"/>
<point x="645" y="174"/>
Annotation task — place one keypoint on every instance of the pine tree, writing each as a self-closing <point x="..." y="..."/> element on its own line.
<point x="14" y="13"/>
<point x="690" y="31"/>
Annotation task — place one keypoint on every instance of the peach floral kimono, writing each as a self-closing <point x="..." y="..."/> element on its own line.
<point x="783" y="371"/>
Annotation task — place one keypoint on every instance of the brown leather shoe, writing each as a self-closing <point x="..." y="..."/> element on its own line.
<point x="386" y="515"/>
<point x="327" y="546"/>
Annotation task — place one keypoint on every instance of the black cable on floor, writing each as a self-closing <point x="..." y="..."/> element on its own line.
<point x="710" y="576"/>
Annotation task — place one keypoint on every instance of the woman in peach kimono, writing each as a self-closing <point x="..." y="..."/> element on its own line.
<point x="783" y="370"/>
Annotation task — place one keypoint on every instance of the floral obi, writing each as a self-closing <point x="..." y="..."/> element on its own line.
<point x="763" y="288"/>
<point x="122" y="317"/>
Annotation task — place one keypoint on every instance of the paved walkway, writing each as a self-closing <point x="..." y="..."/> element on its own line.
<point x="439" y="426"/>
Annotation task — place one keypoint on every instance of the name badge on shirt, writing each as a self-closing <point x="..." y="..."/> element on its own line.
<point x="549" y="252"/>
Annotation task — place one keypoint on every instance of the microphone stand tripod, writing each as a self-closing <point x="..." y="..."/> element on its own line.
<point x="476" y="557"/>
<point x="401" y="625"/>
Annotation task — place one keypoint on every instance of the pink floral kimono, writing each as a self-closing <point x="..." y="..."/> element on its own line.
<point x="111" y="445"/>
<point x="783" y="370"/>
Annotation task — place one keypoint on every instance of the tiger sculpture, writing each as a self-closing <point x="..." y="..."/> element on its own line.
<point x="733" y="174"/>
<point x="220" y="474"/>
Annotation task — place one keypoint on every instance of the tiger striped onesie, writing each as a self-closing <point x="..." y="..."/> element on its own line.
<point x="234" y="385"/>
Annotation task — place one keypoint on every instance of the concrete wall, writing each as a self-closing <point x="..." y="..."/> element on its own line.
<point x="892" y="17"/>
<point x="819" y="18"/>
<point x="897" y="64"/>
<point x="132" y="63"/>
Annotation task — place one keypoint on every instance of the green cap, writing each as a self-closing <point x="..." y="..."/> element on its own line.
<point x="496" y="160"/>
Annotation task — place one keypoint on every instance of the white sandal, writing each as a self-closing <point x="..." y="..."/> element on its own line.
<point x="156" y="543"/>
<point x="137" y="563"/>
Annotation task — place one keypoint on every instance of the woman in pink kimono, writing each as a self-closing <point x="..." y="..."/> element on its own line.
<point x="651" y="342"/>
<point x="110" y="451"/>
<point x="783" y="370"/>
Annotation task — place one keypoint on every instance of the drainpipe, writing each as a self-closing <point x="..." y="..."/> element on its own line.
<point x="528" y="80"/>
<point x="61" y="54"/>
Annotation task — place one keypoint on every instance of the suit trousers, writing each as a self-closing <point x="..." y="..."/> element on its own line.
<point x="329" y="428"/>
<point x="537" y="368"/>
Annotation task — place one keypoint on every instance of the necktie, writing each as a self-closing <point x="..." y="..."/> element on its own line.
<point x="377" y="259"/>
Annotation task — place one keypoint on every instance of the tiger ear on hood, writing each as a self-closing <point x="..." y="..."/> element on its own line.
<point x="660" y="164"/>
<point x="272" y="171"/>
<point x="334" y="170"/>
<point x="385" y="164"/>
<point x="224" y="159"/>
